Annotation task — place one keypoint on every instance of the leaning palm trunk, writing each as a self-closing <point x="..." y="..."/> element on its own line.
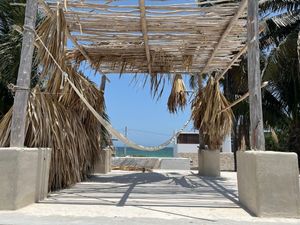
<point x="207" y="115"/>
<point x="177" y="98"/>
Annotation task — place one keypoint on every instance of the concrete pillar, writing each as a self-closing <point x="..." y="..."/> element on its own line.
<point x="44" y="162"/>
<point x="209" y="163"/>
<point x="24" y="174"/>
<point x="268" y="183"/>
<point x="103" y="164"/>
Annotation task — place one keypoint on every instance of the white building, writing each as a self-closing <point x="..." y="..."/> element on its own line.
<point x="188" y="142"/>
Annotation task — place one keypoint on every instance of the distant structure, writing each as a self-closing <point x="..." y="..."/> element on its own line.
<point x="188" y="142"/>
<point x="186" y="146"/>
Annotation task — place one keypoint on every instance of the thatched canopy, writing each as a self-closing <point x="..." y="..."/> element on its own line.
<point x="152" y="37"/>
<point x="155" y="36"/>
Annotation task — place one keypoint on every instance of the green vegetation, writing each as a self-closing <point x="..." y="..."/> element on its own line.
<point x="280" y="66"/>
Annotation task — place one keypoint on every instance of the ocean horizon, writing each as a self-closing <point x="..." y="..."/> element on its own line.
<point x="166" y="152"/>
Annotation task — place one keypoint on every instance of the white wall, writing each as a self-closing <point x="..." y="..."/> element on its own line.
<point x="186" y="148"/>
<point x="226" y="147"/>
<point x="193" y="148"/>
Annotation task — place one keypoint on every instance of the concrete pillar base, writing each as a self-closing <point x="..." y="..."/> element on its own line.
<point x="103" y="164"/>
<point x="24" y="174"/>
<point x="209" y="163"/>
<point x="268" y="183"/>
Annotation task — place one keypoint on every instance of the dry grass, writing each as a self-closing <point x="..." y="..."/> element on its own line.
<point x="52" y="33"/>
<point x="177" y="98"/>
<point x="207" y="115"/>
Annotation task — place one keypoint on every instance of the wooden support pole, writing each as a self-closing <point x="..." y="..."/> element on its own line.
<point x="145" y="34"/>
<point x="257" y="139"/>
<point x="17" y="137"/>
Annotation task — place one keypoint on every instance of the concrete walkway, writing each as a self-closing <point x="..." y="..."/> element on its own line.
<point x="129" y="198"/>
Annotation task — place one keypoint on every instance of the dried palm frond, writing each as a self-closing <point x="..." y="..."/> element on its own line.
<point x="177" y="98"/>
<point x="207" y="115"/>
<point x="73" y="152"/>
<point x="72" y="133"/>
<point x="52" y="33"/>
<point x="56" y="116"/>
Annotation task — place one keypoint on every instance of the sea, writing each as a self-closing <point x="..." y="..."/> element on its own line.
<point x="166" y="152"/>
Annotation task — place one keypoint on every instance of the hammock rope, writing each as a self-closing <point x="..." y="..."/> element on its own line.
<point x="103" y="122"/>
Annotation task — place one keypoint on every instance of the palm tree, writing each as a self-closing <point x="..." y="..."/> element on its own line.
<point x="282" y="95"/>
<point x="281" y="18"/>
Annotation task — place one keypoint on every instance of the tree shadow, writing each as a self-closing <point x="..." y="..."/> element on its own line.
<point x="148" y="190"/>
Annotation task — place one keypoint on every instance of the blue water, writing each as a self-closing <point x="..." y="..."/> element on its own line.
<point x="166" y="152"/>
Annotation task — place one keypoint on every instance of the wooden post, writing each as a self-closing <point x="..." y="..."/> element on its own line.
<point x="17" y="137"/>
<point x="257" y="139"/>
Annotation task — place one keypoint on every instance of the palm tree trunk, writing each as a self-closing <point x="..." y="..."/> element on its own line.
<point x="201" y="136"/>
<point x="299" y="49"/>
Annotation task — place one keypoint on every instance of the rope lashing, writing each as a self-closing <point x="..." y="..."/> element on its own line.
<point x="103" y="122"/>
<point x="13" y="88"/>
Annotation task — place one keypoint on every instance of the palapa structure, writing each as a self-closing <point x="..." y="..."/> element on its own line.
<point x="153" y="37"/>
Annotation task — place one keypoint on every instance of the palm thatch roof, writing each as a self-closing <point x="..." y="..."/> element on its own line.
<point x="154" y="36"/>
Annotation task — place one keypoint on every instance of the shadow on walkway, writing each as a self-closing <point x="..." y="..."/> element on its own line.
<point x="148" y="190"/>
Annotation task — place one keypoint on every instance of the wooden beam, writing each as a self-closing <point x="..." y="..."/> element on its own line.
<point x="231" y="24"/>
<point x="145" y="33"/>
<point x="242" y="98"/>
<point x="236" y="57"/>
<point x="17" y="137"/>
<point x="257" y="139"/>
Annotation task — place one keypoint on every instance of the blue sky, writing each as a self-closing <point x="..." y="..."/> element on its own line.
<point x="148" y="120"/>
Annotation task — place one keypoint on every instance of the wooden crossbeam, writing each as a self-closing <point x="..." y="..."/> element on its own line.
<point x="242" y="98"/>
<point x="231" y="24"/>
<point x="236" y="57"/>
<point x="145" y="33"/>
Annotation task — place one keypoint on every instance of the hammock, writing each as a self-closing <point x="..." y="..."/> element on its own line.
<point x="103" y="122"/>
<point x="116" y="133"/>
